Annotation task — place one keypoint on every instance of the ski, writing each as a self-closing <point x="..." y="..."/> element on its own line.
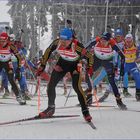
<point x="9" y="103"/>
<point x="93" y="105"/>
<point x="128" y="109"/>
<point x="91" y="124"/>
<point x="66" y="107"/>
<point x="101" y="105"/>
<point x="133" y="110"/>
<point x="38" y="118"/>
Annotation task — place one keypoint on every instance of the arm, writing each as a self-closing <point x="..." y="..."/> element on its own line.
<point x="117" y="49"/>
<point x="46" y="56"/>
<point x="138" y="55"/>
<point x="120" y="52"/>
<point x="15" y="51"/>
<point x="48" y="52"/>
<point x="92" y="43"/>
<point x="87" y="55"/>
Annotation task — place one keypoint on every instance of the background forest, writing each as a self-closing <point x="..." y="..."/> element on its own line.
<point x="89" y="18"/>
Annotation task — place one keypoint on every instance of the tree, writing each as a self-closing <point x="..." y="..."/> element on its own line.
<point x="87" y="16"/>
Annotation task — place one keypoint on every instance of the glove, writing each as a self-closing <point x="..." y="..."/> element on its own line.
<point x="40" y="70"/>
<point x="18" y="74"/>
<point x="84" y="51"/>
<point x="79" y="67"/>
<point x="122" y="70"/>
<point x="90" y="71"/>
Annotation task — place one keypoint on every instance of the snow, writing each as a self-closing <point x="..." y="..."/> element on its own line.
<point x="111" y="122"/>
<point x="46" y="40"/>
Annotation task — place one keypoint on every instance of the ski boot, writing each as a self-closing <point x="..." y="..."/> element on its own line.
<point x="137" y="95"/>
<point x="6" y="94"/>
<point x="21" y="100"/>
<point x="86" y="115"/>
<point x="89" y="99"/>
<point x="103" y="97"/>
<point x="48" y="112"/>
<point x="126" y="93"/>
<point x="120" y="104"/>
<point x="26" y="95"/>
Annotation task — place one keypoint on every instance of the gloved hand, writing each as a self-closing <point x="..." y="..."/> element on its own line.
<point x="90" y="71"/>
<point x="40" y="70"/>
<point x="122" y="70"/>
<point x="84" y="51"/>
<point x="18" y="74"/>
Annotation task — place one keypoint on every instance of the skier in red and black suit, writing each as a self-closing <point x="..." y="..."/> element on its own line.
<point x="70" y="51"/>
<point x="6" y="50"/>
<point x="103" y="56"/>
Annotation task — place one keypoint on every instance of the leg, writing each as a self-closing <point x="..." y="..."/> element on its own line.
<point x="125" y="83"/>
<point x="97" y="80"/>
<point x="111" y="78"/>
<point x="15" y="88"/>
<point x="23" y="86"/>
<point x="76" y="83"/>
<point x="136" y="75"/>
<point x="1" y="81"/>
<point x="56" y="76"/>
<point x="88" y="91"/>
<point x="5" y="84"/>
<point x="87" y="79"/>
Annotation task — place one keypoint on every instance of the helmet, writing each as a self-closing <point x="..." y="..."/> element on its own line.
<point x="66" y="34"/>
<point x="4" y="36"/>
<point x="12" y="37"/>
<point x="129" y="36"/>
<point x="118" y="32"/>
<point x="106" y="36"/>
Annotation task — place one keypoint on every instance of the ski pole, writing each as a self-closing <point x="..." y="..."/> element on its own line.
<point x="96" y="99"/>
<point x="94" y="93"/>
<point x="38" y="90"/>
<point x="68" y="96"/>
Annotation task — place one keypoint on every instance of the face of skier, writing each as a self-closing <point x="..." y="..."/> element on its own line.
<point x="129" y="41"/>
<point x="65" y="43"/>
<point x="104" y="42"/>
<point x="119" y="38"/>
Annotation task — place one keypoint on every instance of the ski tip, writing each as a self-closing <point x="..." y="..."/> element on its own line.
<point x="92" y="125"/>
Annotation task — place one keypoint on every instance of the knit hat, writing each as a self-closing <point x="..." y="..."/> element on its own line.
<point x="106" y="36"/>
<point x="66" y="34"/>
<point x="4" y="36"/>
